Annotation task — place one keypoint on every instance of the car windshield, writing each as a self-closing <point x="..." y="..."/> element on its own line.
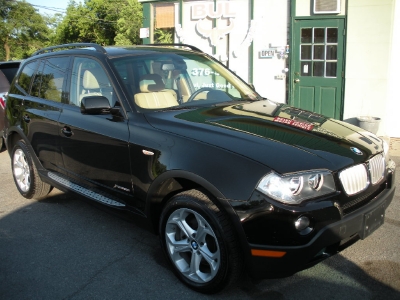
<point x="173" y="81"/>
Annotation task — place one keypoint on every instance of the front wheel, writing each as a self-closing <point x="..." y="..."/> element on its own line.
<point x="26" y="176"/>
<point x="199" y="242"/>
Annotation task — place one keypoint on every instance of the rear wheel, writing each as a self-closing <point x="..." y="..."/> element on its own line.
<point x="199" y="242"/>
<point x="26" y="176"/>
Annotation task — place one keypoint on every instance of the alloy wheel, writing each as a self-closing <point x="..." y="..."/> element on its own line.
<point x="21" y="170"/>
<point x="192" y="245"/>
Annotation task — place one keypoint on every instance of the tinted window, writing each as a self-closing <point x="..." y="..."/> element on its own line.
<point x="25" y="78"/>
<point x="49" y="80"/>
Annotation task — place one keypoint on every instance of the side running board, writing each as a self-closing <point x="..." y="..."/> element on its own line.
<point x="97" y="196"/>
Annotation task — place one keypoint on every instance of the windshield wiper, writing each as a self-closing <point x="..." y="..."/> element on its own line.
<point x="179" y="108"/>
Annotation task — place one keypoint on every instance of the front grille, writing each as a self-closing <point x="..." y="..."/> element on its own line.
<point x="377" y="168"/>
<point x="354" y="179"/>
<point x="357" y="178"/>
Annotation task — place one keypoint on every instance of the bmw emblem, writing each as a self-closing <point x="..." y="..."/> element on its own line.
<point x="356" y="150"/>
<point x="195" y="246"/>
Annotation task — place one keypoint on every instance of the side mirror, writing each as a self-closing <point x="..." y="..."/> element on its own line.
<point x="95" y="105"/>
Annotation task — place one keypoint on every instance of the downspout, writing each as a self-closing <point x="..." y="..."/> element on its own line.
<point x="181" y="13"/>
<point x="251" y="48"/>
<point x="214" y="48"/>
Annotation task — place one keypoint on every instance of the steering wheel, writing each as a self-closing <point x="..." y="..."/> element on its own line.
<point x="204" y="89"/>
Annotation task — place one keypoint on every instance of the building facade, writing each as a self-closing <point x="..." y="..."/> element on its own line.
<point x="333" y="57"/>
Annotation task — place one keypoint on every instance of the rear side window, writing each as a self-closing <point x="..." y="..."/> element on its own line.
<point x="50" y="78"/>
<point x="25" y="78"/>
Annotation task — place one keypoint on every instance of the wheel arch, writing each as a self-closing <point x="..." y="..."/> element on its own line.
<point x="14" y="135"/>
<point x="174" y="182"/>
<point x="171" y="183"/>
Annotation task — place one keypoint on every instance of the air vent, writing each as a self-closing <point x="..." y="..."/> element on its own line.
<point x="326" y="6"/>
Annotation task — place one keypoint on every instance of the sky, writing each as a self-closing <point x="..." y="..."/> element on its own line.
<point x="50" y="6"/>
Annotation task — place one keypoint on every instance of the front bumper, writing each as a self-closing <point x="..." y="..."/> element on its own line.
<point x="275" y="261"/>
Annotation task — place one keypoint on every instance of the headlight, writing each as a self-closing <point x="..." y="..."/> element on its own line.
<point x="297" y="187"/>
<point x="385" y="147"/>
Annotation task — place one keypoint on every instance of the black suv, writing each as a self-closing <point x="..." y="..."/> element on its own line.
<point x="230" y="181"/>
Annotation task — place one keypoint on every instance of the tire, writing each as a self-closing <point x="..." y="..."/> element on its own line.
<point x="206" y="258"/>
<point x="26" y="176"/>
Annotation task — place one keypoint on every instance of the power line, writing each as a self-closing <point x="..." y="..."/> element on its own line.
<point x="55" y="9"/>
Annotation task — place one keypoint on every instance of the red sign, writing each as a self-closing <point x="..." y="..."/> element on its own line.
<point x="294" y="123"/>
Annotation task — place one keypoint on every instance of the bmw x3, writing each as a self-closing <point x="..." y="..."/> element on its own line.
<point x="232" y="182"/>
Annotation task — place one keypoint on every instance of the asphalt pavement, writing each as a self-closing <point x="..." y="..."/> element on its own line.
<point x="65" y="247"/>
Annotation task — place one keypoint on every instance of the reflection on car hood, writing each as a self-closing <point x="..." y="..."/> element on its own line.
<point x="285" y="138"/>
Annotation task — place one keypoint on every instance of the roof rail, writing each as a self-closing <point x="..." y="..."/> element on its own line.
<point x="176" y="44"/>
<point x="97" y="47"/>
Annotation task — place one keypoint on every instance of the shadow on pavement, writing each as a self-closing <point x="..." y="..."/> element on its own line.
<point x="66" y="248"/>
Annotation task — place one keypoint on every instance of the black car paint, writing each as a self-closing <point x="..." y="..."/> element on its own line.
<point x="198" y="147"/>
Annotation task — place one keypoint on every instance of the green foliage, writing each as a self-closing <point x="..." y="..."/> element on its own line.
<point x="106" y="22"/>
<point x="164" y="35"/>
<point x="22" y="30"/>
<point x="129" y="23"/>
<point x="101" y="21"/>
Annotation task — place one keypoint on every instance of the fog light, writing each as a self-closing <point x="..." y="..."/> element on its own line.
<point x="302" y="223"/>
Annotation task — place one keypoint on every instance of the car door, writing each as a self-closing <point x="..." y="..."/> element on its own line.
<point x="37" y="103"/>
<point x="94" y="147"/>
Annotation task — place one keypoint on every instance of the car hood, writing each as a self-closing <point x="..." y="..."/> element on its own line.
<point x="284" y="138"/>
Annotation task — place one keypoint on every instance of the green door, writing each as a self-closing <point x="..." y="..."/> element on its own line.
<point x="317" y="66"/>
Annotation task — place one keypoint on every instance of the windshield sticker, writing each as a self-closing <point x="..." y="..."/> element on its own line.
<point x="294" y="123"/>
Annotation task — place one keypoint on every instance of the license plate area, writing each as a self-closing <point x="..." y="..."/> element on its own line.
<point x="373" y="220"/>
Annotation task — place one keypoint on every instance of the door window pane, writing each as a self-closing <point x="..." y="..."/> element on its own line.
<point x="319" y="52"/>
<point x="89" y="79"/>
<point x="331" y="52"/>
<point x="305" y="52"/>
<point x="331" y="68"/>
<point x="319" y="35"/>
<point x="37" y="80"/>
<point x="305" y="68"/>
<point x="318" y="70"/>
<point x="332" y="35"/>
<point x="24" y="80"/>
<point x="306" y="35"/>
<point x="54" y="74"/>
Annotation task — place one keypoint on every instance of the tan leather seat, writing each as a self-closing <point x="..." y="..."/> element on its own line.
<point x="90" y="86"/>
<point x="153" y="94"/>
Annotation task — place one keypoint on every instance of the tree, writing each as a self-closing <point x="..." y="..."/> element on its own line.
<point x="129" y="23"/>
<point x="22" y="29"/>
<point x="101" y="21"/>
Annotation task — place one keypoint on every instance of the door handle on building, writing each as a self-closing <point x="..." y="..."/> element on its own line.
<point x="296" y="80"/>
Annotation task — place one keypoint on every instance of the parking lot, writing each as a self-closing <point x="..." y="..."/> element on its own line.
<point x="65" y="247"/>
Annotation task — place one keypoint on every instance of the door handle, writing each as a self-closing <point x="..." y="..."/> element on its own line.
<point x="66" y="131"/>
<point x="296" y="80"/>
<point x="26" y="118"/>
